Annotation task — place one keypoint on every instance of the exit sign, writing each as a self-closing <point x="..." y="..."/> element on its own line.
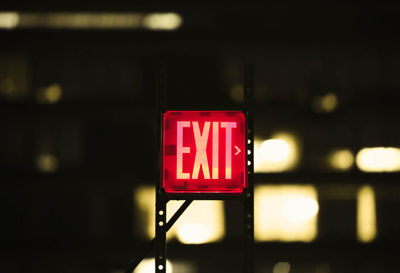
<point x="204" y="152"/>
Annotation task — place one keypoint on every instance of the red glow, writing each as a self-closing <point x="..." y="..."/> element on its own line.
<point x="204" y="152"/>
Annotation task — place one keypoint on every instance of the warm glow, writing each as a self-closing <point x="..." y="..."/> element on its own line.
<point x="202" y="222"/>
<point x="285" y="213"/>
<point x="91" y="20"/>
<point x="236" y="93"/>
<point x="47" y="163"/>
<point x="341" y="160"/>
<point x="194" y="233"/>
<point x="379" y="159"/>
<point x="366" y="214"/>
<point x="281" y="267"/>
<point x="51" y="94"/>
<point x="280" y="153"/>
<point x="327" y="103"/>
<point x="148" y="266"/>
<point x="7" y="86"/>
<point x="144" y="199"/>
<point x="275" y="150"/>
<point x="162" y="21"/>
<point x="9" y="20"/>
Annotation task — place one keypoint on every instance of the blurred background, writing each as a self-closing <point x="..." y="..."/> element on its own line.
<point x="77" y="133"/>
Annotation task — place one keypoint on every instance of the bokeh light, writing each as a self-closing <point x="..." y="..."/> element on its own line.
<point x="285" y="213"/>
<point x="379" y="159"/>
<point x="278" y="154"/>
<point x="325" y="104"/>
<point x="47" y="163"/>
<point x="366" y="214"/>
<point x="341" y="160"/>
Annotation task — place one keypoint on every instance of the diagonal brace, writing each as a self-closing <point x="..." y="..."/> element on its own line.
<point x="150" y="246"/>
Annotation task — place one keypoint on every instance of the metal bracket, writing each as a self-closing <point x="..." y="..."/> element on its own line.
<point x="165" y="229"/>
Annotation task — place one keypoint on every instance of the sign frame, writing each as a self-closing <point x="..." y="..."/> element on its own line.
<point x="205" y="195"/>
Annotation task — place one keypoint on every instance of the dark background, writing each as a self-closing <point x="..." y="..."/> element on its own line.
<point x="81" y="218"/>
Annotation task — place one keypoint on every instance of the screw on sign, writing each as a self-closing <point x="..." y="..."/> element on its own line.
<point x="204" y="152"/>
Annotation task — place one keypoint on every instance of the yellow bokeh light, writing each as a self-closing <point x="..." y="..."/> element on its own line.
<point x="148" y="266"/>
<point x="379" y="159"/>
<point x="7" y="86"/>
<point x="87" y="20"/>
<point x="236" y="93"/>
<point x="53" y="93"/>
<point x="202" y="222"/>
<point x="144" y="199"/>
<point x="47" y="163"/>
<point x="280" y="153"/>
<point x="366" y="215"/>
<point x="91" y="20"/>
<point x="9" y="20"/>
<point x="162" y="21"/>
<point x="275" y="150"/>
<point x="285" y="213"/>
<point x="281" y="267"/>
<point x="341" y="160"/>
<point x="49" y="95"/>
<point x="329" y="102"/>
<point x="298" y="208"/>
<point x="326" y="103"/>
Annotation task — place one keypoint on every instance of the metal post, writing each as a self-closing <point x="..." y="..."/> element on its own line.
<point x="161" y="234"/>
<point x="248" y="201"/>
<point x="161" y="201"/>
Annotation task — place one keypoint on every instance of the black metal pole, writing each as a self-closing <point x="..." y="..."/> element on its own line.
<point x="248" y="201"/>
<point x="161" y="234"/>
<point x="161" y="201"/>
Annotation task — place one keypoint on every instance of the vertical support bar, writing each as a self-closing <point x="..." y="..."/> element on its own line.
<point x="248" y="201"/>
<point x="161" y="201"/>
<point x="161" y="234"/>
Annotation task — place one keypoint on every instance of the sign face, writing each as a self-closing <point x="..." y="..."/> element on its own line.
<point x="204" y="152"/>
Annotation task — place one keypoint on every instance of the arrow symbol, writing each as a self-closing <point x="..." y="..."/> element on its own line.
<point x="237" y="150"/>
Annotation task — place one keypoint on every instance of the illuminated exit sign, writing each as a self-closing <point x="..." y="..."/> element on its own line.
<point x="204" y="152"/>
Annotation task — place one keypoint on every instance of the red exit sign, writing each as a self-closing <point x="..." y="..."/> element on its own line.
<point x="204" y="152"/>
